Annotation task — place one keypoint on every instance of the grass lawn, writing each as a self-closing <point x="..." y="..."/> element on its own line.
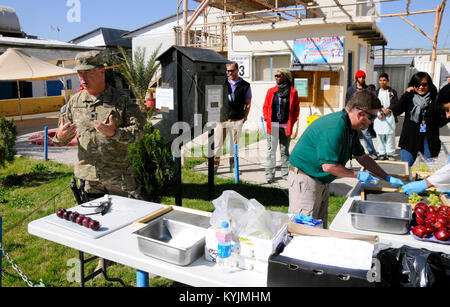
<point x="32" y="189"/>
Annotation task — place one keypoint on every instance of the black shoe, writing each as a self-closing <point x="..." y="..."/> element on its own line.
<point x="383" y="158"/>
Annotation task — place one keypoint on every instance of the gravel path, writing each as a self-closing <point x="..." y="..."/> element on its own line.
<point x="66" y="155"/>
<point x="30" y="126"/>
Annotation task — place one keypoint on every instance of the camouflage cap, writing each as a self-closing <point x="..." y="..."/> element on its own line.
<point x="89" y="60"/>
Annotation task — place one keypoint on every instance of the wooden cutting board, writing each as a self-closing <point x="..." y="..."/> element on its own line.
<point x="123" y="212"/>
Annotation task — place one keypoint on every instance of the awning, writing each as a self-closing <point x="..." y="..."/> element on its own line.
<point x="315" y="68"/>
<point x="15" y="64"/>
<point x="369" y="33"/>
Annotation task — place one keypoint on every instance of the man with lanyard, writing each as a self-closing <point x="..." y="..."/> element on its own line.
<point x="320" y="156"/>
<point x="239" y="97"/>
<point x="359" y="85"/>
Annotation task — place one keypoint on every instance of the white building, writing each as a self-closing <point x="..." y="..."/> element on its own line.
<point x="264" y="42"/>
<point x="402" y="64"/>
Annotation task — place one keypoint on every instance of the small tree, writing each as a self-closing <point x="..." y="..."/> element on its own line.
<point x="138" y="72"/>
<point x="152" y="163"/>
<point x="8" y="135"/>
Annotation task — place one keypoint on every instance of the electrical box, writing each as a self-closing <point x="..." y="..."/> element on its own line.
<point x="197" y="77"/>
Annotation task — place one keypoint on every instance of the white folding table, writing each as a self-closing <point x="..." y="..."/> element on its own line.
<point x="342" y="222"/>
<point x="121" y="246"/>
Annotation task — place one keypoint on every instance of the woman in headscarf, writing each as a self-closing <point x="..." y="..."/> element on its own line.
<point x="281" y="110"/>
<point x="423" y="118"/>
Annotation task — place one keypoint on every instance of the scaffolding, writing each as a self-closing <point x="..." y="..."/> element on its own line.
<point x="214" y="35"/>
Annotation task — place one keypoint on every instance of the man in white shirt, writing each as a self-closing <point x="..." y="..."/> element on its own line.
<point x="384" y="124"/>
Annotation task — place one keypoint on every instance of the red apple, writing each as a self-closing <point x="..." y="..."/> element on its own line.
<point x="440" y="225"/>
<point x="444" y="208"/>
<point x="422" y="205"/>
<point x="430" y="229"/>
<point x="442" y="220"/>
<point x="420" y="220"/>
<point x="431" y="209"/>
<point x="419" y="231"/>
<point x="441" y="235"/>
<point x="419" y="211"/>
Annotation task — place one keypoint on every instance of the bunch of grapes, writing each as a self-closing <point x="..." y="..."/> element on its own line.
<point x="433" y="200"/>
<point x="414" y="199"/>
<point x="420" y="167"/>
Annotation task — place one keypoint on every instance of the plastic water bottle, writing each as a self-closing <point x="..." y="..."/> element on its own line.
<point x="224" y="247"/>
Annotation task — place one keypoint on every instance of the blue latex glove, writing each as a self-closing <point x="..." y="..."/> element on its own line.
<point x="366" y="178"/>
<point x="415" y="187"/>
<point x="395" y="182"/>
<point x="447" y="193"/>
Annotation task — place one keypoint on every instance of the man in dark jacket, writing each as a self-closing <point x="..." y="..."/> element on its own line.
<point x="239" y="96"/>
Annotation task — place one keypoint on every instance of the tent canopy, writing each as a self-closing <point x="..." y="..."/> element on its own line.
<point x="15" y="64"/>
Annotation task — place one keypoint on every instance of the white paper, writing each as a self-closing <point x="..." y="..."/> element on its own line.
<point x="352" y="254"/>
<point x="164" y="98"/>
<point x="325" y="84"/>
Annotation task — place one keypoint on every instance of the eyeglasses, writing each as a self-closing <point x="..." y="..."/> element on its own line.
<point x="425" y="84"/>
<point x="230" y="70"/>
<point x="278" y="76"/>
<point x="370" y="116"/>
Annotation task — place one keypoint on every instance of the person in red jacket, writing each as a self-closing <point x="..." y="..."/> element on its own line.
<point x="281" y="110"/>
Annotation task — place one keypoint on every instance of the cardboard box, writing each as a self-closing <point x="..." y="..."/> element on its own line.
<point x="290" y="272"/>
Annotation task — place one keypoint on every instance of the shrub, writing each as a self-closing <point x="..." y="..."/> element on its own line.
<point x="8" y="135"/>
<point x="152" y="164"/>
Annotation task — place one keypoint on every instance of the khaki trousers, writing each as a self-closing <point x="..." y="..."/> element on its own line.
<point x="308" y="196"/>
<point x="232" y="128"/>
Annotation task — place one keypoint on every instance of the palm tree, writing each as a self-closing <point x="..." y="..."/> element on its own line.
<point x="138" y="72"/>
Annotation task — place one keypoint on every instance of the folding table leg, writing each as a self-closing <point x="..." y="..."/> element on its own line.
<point x="142" y="279"/>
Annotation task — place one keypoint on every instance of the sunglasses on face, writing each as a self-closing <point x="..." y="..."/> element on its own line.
<point x="425" y="84"/>
<point x="278" y="76"/>
<point x="370" y="116"/>
<point x="230" y="70"/>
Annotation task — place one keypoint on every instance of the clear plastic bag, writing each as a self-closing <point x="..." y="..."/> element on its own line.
<point x="431" y="165"/>
<point x="246" y="217"/>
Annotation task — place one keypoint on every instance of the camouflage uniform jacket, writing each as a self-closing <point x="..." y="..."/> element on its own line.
<point x="101" y="157"/>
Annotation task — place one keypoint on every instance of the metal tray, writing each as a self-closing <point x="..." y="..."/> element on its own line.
<point x="385" y="217"/>
<point x="171" y="241"/>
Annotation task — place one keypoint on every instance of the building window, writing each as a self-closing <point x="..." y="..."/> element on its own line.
<point x="69" y="84"/>
<point x="266" y="66"/>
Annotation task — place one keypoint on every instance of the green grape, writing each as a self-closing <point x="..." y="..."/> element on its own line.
<point x="420" y="167"/>
<point x="414" y="199"/>
<point x="433" y="200"/>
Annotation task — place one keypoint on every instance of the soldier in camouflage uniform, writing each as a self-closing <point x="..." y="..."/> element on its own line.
<point x="105" y="121"/>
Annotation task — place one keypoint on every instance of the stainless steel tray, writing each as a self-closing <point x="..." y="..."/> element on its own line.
<point x="386" y="217"/>
<point x="171" y="241"/>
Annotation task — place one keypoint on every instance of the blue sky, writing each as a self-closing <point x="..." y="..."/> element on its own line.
<point x="37" y="18"/>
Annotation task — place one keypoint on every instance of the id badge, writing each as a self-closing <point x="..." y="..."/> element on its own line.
<point x="423" y="128"/>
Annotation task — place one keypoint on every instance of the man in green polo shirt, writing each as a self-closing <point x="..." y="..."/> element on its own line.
<point x="324" y="149"/>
